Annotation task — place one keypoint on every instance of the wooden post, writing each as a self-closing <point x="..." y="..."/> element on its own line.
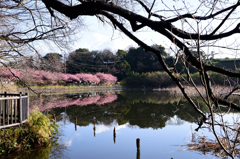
<point x="94" y="129"/>
<point x="40" y="98"/>
<point x="138" y="144"/>
<point x="76" y="123"/>
<point x="138" y="155"/>
<point x="114" y="131"/>
<point x="54" y="118"/>
<point x="114" y="135"/>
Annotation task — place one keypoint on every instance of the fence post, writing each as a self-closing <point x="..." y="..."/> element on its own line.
<point x="6" y="108"/>
<point x="15" y="109"/>
<point x="1" y="104"/>
<point x="11" y="108"/>
<point x="20" y="107"/>
<point x="27" y="94"/>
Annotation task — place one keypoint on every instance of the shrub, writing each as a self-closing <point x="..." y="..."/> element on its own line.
<point x="34" y="133"/>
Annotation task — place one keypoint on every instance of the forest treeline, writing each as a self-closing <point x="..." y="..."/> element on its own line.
<point x="133" y="67"/>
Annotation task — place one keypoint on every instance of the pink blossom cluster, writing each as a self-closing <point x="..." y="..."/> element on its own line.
<point x="87" y="77"/>
<point x="6" y="74"/>
<point x="106" y="78"/>
<point x="47" y="77"/>
<point x="106" y="98"/>
<point x="65" y="102"/>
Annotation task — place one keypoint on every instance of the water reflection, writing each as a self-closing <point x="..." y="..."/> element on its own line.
<point x="88" y="121"/>
<point x="55" y="151"/>
<point x="46" y="103"/>
<point x="114" y="135"/>
<point x="145" y="112"/>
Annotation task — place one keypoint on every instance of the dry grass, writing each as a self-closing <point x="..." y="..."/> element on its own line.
<point x="8" y="88"/>
<point x="219" y="90"/>
<point x="207" y="146"/>
<point x="58" y="90"/>
<point x="191" y="91"/>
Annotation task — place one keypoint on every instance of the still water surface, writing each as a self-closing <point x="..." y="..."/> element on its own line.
<point x="86" y="126"/>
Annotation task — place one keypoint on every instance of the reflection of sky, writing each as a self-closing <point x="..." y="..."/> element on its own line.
<point x="155" y="144"/>
<point x="174" y="121"/>
<point x="102" y="128"/>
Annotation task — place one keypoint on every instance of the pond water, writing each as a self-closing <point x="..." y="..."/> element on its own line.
<point x="87" y="123"/>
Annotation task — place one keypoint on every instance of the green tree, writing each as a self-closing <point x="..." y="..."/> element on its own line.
<point x="82" y="50"/>
<point x="121" y="54"/>
<point x="142" y="61"/>
<point x="53" y="56"/>
<point x="81" y="62"/>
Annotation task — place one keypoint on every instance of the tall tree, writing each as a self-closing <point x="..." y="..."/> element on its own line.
<point x="26" y="26"/>
<point x="142" y="61"/>
<point x="52" y="62"/>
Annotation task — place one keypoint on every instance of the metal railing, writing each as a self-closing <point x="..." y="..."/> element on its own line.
<point x="14" y="109"/>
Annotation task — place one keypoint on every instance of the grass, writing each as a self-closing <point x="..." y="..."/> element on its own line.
<point x="8" y="88"/>
<point x="191" y="91"/>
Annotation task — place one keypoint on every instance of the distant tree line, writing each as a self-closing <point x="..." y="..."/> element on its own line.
<point x="84" y="61"/>
<point x="134" y="67"/>
<point x="119" y="64"/>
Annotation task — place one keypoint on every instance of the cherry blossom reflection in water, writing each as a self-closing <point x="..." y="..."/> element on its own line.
<point x="46" y="104"/>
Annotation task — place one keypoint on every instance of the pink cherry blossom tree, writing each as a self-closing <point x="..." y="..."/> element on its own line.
<point x="106" y="78"/>
<point x="88" y="77"/>
<point x="65" y="102"/>
<point x="32" y="76"/>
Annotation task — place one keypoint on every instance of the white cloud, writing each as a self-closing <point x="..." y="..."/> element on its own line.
<point x="100" y="38"/>
<point x="103" y="128"/>
<point x="65" y="141"/>
<point x="122" y="126"/>
<point x="101" y="41"/>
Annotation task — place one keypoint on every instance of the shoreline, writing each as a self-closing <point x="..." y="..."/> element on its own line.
<point x="190" y="90"/>
<point x="58" y="89"/>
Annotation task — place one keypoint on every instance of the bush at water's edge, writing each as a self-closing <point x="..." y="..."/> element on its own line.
<point x="34" y="133"/>
<point x="163" y="80"/>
